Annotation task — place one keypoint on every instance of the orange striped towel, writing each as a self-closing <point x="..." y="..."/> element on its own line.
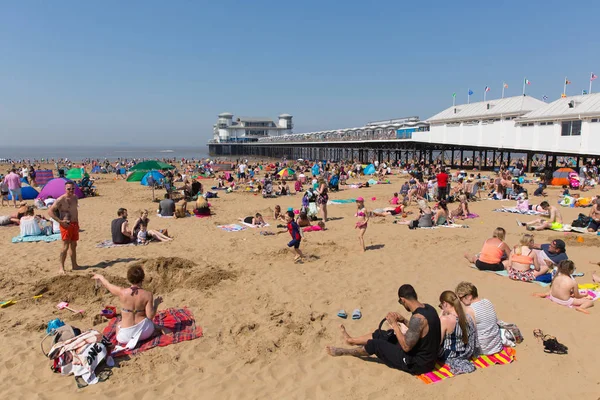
<point x="441" y="372"/>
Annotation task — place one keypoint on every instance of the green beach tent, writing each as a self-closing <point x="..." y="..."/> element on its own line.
<point x="151" y="165"/>
<point x="136" y="176"/>
<point x="74" y="173"/>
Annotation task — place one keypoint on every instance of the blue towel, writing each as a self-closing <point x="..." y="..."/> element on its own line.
<point x="41" y="238"/>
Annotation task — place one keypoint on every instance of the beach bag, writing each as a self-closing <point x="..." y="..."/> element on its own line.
<point x="510" y="334"/>
<point x="582" y="221"/>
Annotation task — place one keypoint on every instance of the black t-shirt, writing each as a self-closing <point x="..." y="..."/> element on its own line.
<point x="117" y="234"/>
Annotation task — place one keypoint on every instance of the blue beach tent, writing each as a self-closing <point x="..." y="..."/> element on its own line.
<point x="315" y="169"/>
<point x="369" y="170"/>
<point x="154" y="174"/>
<point x="27" y="191"/>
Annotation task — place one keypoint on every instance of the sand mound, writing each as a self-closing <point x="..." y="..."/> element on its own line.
<point x="166" y="274"/>
<point x="583" y="240"/>
<point x="72" y="288"/>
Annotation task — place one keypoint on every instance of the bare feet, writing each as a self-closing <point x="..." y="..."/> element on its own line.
<point x="345" y="335"/>
<point x="595" y="277"/>
<point x="61" y="271"/>
<point x="541" y="295"/>
<point x="334" y="351"/>
<point x="582" y="310"/>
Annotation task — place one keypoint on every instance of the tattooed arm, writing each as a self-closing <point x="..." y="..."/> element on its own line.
<point x="416" y="325"/>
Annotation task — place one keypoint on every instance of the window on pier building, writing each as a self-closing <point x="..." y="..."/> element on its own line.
<point x="571" y="128"/>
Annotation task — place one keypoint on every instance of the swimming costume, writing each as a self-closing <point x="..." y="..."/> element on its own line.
<point x="70" y="233"/>
<point x="522" y="258"/>
<point x="566" y="303"/>
<point x="525" y="276"/>
<point x="491" y="254"/>
<point x="556" y="226"/>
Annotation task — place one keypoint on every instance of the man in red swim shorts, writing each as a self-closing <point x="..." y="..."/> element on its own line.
<point x="64" y="211"/>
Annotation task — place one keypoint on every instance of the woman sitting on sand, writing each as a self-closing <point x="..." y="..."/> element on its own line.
<point x="31" y="225"/>
<point x="565" y="291"/>
<point x="161" y="235"/>
<point x="520" y="261"/>
<point x="484" y="314"/>
<point x="138" y="308"/>
<point x="423" y="220"/>
<point x="463" y="208"/>
<point x="459" y="334"/>
<point x="202" y="207"/>
<point x="493" y="252"/>
<point x="442" y="215"/>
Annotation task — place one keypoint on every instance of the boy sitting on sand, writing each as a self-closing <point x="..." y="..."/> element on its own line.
<point x="564" y="289"/>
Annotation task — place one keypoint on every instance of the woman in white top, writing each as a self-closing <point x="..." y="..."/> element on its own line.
<point x="30" y="225"/>
<point x="484" y="314"/>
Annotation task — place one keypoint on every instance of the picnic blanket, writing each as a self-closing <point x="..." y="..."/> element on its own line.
<point x="505" y="273"/>
<point x="231" y="227"/>
<point x="515" y="210"/>
<point x="254" y="226"/>
<point x="109" y="243"/>
<point x="179" y="320"/>
<point x="41" y="238"/>
<point x="341" y="201"/>
<point x="441" y="372"/>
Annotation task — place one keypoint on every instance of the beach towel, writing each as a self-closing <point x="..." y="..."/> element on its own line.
<point x="109" y="243"/>
<point x="505" y="273"/>
<point x="441" y="372"/>
<point x="41" y="238"/>
<point x="515" y="210"/>
<point x="179" y="320"/>
<point x="469" y="216"/>
<point x="254" y="226"/>
<point x="231" y="227"/>
<point x="341" y="201"/>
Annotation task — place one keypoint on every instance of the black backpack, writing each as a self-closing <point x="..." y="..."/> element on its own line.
<point x="582" y="221"/>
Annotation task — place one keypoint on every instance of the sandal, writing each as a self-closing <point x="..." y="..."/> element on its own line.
<point x="551" y="345"/>
<point x="538" y="334"/>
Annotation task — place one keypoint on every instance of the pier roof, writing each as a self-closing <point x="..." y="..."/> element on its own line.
<point x="516" y="105"/>
<point x="583" y="105"/>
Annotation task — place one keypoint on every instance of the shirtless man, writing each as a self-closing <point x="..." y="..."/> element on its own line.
<point x="595" y="216"/>
<point x="64" y="211"/>
<point x="565" y="291"/>
<point x="555" y="222"/>
<point x="413" y="349"/>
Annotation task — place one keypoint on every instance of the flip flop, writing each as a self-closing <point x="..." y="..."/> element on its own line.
<point x="356" y="314"/>
<point x="577" y="274"/>
<point x="342" y="314"/>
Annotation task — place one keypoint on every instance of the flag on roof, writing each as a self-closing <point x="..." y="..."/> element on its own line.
<point x="487" y="88"/>
<point x="594" y="76"/>
<point x="567" y="82"/>
<point x="527" y="81"/>
<point x="563" y="95"/>
<point x="545" y="98"/>
<point x="470" y="92"/>
<point x="454" y="94"/>
<point x="584" y="91"/>
<point x="506" y="86"/>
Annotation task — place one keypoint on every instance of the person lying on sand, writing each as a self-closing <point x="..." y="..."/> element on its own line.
<point x="555" y="221"/>
<point x="257" y="220"/>
<point x="564" y="290"/>
<point x="138" y="308"/>
<point x="413" y="348"/>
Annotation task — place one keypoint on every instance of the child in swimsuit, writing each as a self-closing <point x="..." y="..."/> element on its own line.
<point x="565" y="291"/>
<point x="363" y="220"/>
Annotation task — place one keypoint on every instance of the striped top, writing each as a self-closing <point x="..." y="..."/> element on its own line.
<point x="453" y="345"/>
<point x="488" y="331"/>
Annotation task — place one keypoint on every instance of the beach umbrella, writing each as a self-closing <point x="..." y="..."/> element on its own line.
<point x="27" y="192"/>
<point x="74" y="173"/>
<point x="286" y="173"/>
<point x="56" y="188"/>
<point x="151" y="165"/>
<point x="561" y="176"/>
<point x="136" y="176"/>
<point x="157" y="176"/>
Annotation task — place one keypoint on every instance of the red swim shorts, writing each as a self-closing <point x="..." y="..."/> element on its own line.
<point x="71" y="233"/>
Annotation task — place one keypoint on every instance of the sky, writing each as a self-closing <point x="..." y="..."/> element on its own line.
<point x="145" y="72"/>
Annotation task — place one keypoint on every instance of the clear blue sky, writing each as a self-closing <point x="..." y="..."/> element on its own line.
<point x="101" y="72"/>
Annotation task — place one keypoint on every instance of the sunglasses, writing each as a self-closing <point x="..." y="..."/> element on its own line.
<point x="70" y="189"/>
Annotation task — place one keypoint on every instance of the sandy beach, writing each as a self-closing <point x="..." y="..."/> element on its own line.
<point x="267" y="320"/>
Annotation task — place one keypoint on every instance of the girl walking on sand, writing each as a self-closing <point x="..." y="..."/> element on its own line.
<point x="363" y="219"/>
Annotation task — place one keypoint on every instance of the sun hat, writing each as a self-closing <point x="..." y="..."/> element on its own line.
<point x="359" y="199"/>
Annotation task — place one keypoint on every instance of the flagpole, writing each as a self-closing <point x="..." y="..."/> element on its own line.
<point x="591" y="80"/>
<point x="453" y="101"/>
<point x="524" y="80"/>
<point x="484" y="94"/>
<point x="502" y="89"/>
<point x="469" y="97"/>
<point x="565" y="90"/>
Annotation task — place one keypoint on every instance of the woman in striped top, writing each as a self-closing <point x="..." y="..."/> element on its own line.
<point x="459" y="334"/>
<point x="484" y="314"/>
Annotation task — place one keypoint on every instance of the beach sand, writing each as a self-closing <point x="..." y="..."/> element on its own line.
<point x="267" y="320"/>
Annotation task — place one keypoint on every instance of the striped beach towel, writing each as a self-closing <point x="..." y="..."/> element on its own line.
<point x="179" y="320"/>
<point x="441" y="372"/>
